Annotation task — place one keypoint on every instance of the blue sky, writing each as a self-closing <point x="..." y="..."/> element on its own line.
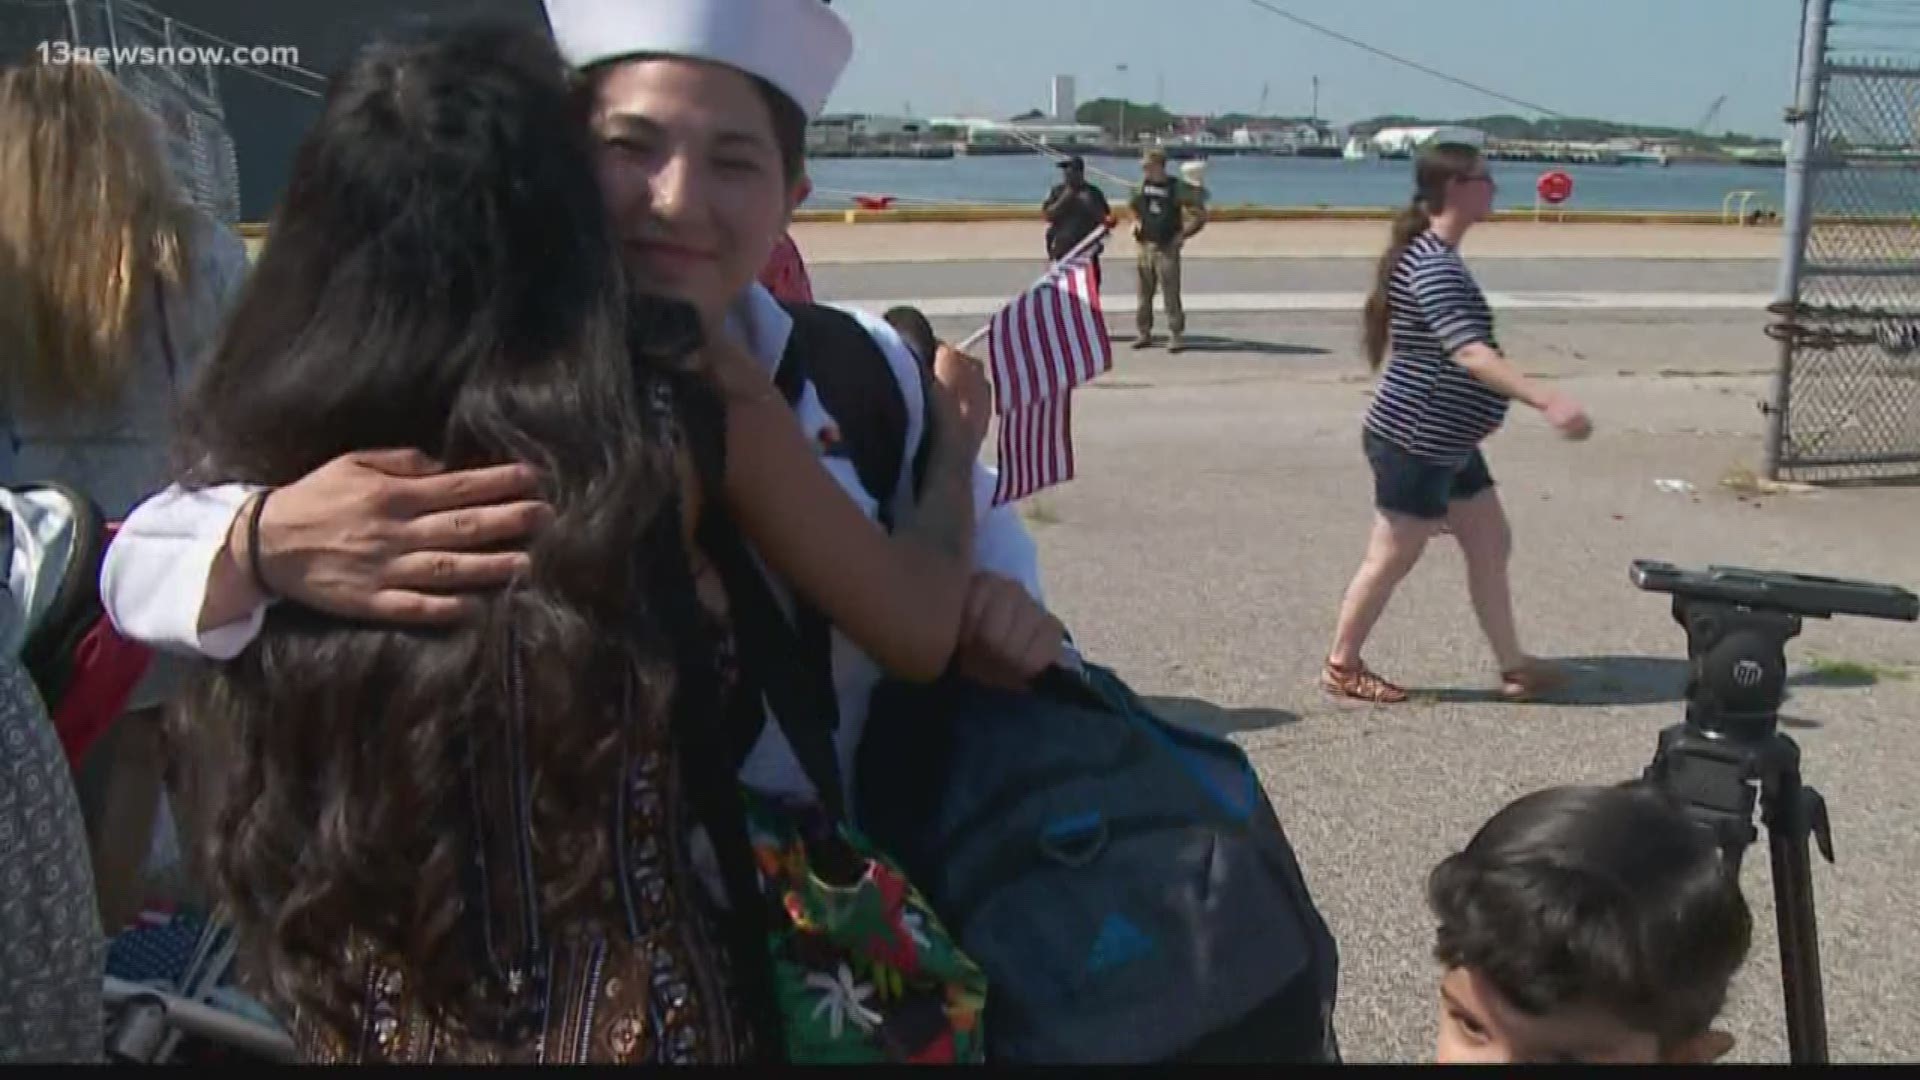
<point x="1645" y="61"/>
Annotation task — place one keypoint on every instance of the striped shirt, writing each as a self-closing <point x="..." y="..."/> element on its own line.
<point x="1427" y="404"/>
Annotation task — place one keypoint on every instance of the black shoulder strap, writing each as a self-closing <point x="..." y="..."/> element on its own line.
<point x="792" y="662"/>
<point x="856" y="383"/>
<point x="779" y="663"/>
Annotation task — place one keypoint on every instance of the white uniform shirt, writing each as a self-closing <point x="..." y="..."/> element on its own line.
<point x="155" y="578"/>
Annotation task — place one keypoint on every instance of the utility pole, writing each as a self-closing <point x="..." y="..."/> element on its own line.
<point x="1796" y="217"/>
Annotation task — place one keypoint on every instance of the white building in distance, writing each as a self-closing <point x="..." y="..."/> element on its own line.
<point x="1065" y="104"/>
<point x="1284" y="134"/>
<point x="982" y="132"/>
<point x="842" y="130"/>
<point x="1404" y="141"/>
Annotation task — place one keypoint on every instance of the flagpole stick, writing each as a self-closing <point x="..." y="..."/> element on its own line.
<point x="978" y="336"/>
<point x="1078" y="249"/>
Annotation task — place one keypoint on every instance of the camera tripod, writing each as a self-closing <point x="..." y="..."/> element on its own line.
<point x="1730" y="754"/>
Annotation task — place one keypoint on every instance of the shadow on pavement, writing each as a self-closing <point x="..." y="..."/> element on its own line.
<point x="1205" y="343"/>
<point x="1596" y="682"/>
<point x="1835" y="677"/>
<point x="1601" y="681"/>
<point x="1205" y="716"/>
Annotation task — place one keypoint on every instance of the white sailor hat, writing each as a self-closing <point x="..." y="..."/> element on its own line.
<point x="799" y="46"/>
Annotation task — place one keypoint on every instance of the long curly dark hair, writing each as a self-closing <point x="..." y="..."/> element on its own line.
<point x="441" y="276"/>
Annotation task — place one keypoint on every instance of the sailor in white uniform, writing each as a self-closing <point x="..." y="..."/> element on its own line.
<point x="387" y="537"/>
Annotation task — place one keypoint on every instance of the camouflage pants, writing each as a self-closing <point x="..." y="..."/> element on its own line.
<point x="1160" y="270"/>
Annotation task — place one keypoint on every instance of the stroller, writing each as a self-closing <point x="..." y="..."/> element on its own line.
<point x="167" y="994"/>
<point x="191" y="1015"/>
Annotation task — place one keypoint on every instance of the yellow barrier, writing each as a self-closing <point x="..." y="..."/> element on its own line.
<point x="256" y="232"/>
<point x="975" y="214"/>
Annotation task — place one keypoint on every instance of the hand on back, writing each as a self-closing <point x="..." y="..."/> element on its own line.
<point x="390" y="536"/>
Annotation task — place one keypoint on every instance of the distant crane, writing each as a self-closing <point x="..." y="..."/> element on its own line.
<point x="1713" y="113"/>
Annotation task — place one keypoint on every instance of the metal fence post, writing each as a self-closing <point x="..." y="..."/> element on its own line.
<point x="1797" y="214"/>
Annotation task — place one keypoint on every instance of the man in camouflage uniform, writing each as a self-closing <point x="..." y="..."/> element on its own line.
<point x="1167" y="212"/>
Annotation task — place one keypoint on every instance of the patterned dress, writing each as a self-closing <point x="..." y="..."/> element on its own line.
<point x="664" y="997"/>
<point x="52" y="954"/>
<point x="665" y="992"/>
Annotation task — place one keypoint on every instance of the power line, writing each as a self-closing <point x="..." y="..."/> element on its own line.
<point x="1414" y="64"/>
<point x="1032" y="143"/>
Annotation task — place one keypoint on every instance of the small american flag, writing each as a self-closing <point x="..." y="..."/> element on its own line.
<point x="1050" y="339"/>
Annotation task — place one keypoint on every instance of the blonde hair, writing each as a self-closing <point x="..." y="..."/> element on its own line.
<point x="90" y="219"/>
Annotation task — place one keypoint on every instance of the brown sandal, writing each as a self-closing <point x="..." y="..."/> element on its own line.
<point x="1531" y="680"/>
<point x="1360" y="683"/>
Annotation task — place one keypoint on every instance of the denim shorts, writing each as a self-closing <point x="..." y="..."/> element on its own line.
<point x="1421" y="487"/>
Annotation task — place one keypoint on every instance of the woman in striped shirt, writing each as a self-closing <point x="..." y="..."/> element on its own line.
<point x="1445" y="389"/>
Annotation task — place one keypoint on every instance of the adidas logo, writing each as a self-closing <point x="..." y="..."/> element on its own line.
<point x="1119" y="943"/>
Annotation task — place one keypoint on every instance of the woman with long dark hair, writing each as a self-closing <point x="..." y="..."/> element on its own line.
<point x="476" y="842"/>
<point x="1444" y="391"/>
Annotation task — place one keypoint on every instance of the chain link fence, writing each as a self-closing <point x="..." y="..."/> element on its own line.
<point x="1848" y="403"/>
<point x="152" y="56"/>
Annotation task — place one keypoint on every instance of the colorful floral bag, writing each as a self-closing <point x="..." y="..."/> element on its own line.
<point x="863" y="970"/>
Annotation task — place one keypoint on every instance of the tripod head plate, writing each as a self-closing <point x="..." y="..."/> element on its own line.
<point x="1806" y="595"/>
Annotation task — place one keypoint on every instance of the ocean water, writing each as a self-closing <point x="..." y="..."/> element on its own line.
<point x="1293" y="182"/>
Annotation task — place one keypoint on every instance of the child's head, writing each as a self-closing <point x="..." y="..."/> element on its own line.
<point x="914" y="328"/>
<point x="1587" y="924"/>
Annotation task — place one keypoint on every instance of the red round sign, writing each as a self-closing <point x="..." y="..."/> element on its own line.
<point x="1555" y="187"/>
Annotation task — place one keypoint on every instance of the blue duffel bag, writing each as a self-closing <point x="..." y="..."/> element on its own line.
<point x="1123" y="882"/>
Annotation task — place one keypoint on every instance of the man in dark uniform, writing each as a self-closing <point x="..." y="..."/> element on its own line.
<point x="1074" y="209"/>
<point x="1162" y="227"/>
